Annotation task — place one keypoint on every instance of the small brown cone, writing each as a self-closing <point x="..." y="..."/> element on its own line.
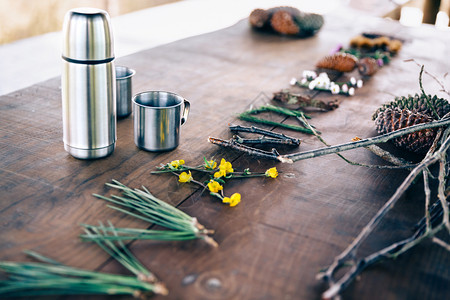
<point x="283" y="22"/>
<point x="259" y="18"/>
<point x="367" y="66"/>
<point x="341" y="62"/>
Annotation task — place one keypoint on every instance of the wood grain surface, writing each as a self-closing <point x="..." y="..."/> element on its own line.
<point x="273" y="243"/>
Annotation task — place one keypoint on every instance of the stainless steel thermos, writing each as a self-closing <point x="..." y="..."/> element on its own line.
<point x="88" y="84"/>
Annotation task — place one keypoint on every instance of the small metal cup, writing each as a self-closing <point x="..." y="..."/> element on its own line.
<point x="157" y="119"/>
<point x="123" y="91"/>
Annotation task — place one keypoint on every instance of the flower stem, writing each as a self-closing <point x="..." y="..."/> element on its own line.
<point x="306" y="85"/>
<point x="184" y="168"/>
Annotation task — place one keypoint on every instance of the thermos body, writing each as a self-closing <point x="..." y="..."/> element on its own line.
<point x="88" y="84"/>
<point x="89" y="114"/>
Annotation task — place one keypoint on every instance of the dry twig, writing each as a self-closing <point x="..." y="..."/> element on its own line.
<point x="242" y="148"/>
<point x="290" y="158"/>
<point x="348" y="255"/>
<point x="287" y="97"/>
<point x="253" y="129"/>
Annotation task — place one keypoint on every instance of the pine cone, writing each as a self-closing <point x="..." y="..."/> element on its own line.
<point x="289" y="9"/>
<point x="367" y="66"/>
<point x="418" y="104"/>
<point x="309" y="23"/>
<point x="393" y="119"/>
<point x="342" y="62"/>
<point x="283" y="22"/>
<point x="408" y="111"/>
<point x="286" y="20"/>
<point x="259" y="18"/>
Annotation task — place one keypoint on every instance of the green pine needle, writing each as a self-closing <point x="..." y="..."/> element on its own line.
<point x="144" y="206"/>
<point x="52" y="278"/>
<point x="122" y="254"/>
<point x="279" y="110"/>
<point x="250" y="118"/>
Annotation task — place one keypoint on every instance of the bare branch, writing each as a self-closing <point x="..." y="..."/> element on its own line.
<point x="441" y="243"/>
<point x="391" y="251"/>
<point x="350" y="251"/>
<point x="386" y="155"/>
<point x="290" y="158"/>
<point x="287" y="97"/>
<point x="253" y="129"/>
<point x="443" y="89"/>
<point x="264" y="141"/>
<point x="242" y="148"/>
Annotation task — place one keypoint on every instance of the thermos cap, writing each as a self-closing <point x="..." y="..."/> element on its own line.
<point x="87" y="35"/>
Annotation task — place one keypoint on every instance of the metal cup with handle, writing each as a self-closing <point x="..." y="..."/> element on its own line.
<point x="158" y="116"/>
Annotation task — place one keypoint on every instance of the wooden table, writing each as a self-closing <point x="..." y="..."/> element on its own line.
<point x="273" y="243"/>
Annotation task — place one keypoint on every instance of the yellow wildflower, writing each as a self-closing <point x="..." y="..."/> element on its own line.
<point x="220" y="173"/>
<point x="272" y="172"/>
<point x="177" y="163"/>
<point x="210" y="164"/>
<point x="233" y="200"/>
<point x="225" y="166"/>
<point x="185" y="177"/>
<point x="214" y="186"/>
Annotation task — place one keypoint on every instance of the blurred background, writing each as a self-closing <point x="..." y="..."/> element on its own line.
<point x="24" y="18"/>
<point x="30" y="30"/>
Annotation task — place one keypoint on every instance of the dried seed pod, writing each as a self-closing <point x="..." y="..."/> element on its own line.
<point x="304" y="101"/>
<point x="361" y="42"/>
<point x="283" y="22"/>
<point x="392" y="119"/>
<point x="395" y="46"/>
<point x="367" y="66"/>
<point x="342" y="62"/>
<point x="382" y="41"/>
<point x="373" y="41"/>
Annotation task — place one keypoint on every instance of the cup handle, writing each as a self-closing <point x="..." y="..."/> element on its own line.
<point x="187" y="107"/>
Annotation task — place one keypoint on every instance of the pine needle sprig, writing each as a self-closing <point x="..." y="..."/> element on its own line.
<point x="249" y="116"/>
<point x="245" y="116"/>
<point x="147" y="207"/>
<point x="49" y="277"/>
<point x="136" y="233"/>
<point x="278" y="109"/>
<point x="122" y="254"/>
